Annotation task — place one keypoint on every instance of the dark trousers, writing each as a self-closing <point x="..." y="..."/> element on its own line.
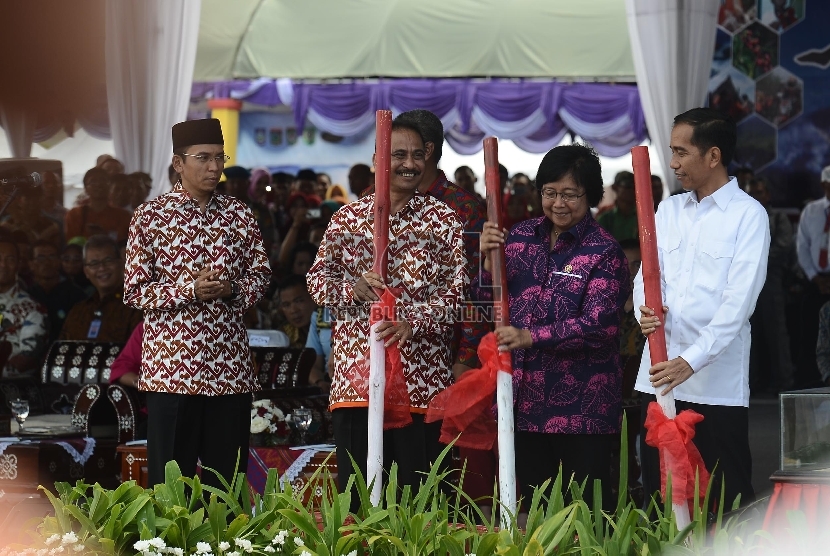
<point x="722" y="438"/>
<point x="211" y="429"/>
<point x="585" y="456"/>
<point x="414" y="447"/>
<point x="770" y="365"/>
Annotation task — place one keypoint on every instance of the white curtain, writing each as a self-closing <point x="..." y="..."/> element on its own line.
<point x="19" y="126"/>
<point x="150" y="55"/>
<point x="672" y="42"/>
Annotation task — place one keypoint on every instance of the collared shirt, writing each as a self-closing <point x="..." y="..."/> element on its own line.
<point x="116" y="321"/>
<point x="812" y="238"/>
<point x="471" y="212"/>
<point x="570" y="298"/>
<point x="426" y="269"/>
<point x="713" y="262"/>
<point x="23" y="325"/>
<point x="192" y="346"/>
<point x="58" y="302"/>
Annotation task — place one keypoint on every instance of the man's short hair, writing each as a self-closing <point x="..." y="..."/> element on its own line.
<point x="400" y="124"/>
<point x="430" y="126"/>
<point x="292" y="281"/>
<point x="625" y="178"/>
<point x="95" y="172"/>
<point x="711" y="129"/>
<point x="306" y="174"/>
<point x="503" y="173"/>
<point x="578" y="161"/>
<point x="100" y="241"/>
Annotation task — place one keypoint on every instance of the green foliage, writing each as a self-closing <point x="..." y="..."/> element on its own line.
<point x="182" y="516"/>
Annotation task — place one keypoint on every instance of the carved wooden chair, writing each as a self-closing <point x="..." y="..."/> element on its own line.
<point x="282" y="367"/>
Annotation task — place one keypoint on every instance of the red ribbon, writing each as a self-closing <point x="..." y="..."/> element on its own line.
<point x="465" y="406"/>
<point x="678" y="454"/>
<point x="396" y="409"/>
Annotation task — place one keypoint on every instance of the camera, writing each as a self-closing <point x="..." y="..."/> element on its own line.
<point x="312" y="214"/>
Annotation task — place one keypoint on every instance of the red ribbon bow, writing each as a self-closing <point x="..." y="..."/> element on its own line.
<point x="678" y="454"/>
<point x="465" y="406"/>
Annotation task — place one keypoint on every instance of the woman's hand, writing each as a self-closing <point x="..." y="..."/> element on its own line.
<point x="510" y="338"/>
<point x="648" y="321"/>
<point x="491" y="238"/>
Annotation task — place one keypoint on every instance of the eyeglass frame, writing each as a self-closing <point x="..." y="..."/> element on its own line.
<point x="552" y="195"/>
<point x="95" y="265"/>
<point x="219" y="159"/>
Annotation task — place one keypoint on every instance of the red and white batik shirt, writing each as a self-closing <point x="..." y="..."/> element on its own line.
<point x="192" y="346"/>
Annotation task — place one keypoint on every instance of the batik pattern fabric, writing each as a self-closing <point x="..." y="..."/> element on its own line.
<point x="471" y="329"/>
<point x="570" y="298"/>
<point x="23" y="325"/>
<point x="426" y="271"/>
<point x="192" y="346"/>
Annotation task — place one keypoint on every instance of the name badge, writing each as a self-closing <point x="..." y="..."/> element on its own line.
<point x="94" y="329"/>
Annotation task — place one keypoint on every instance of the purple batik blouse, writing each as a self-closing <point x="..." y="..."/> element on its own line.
<point x="571" y="299"/>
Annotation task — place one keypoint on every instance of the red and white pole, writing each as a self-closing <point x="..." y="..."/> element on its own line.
<point x="504" y="382"/>
<point x="377" y="351"/>
<point x="651" y="285"/>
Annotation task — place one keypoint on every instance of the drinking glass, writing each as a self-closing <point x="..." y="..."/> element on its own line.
<point x="303" y="419"/>
<point x="20" y="411"/>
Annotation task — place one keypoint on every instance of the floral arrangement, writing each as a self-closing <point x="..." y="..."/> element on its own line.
<point x="268" y="424"/>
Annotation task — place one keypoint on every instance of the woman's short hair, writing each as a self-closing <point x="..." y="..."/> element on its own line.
<point x="580" y="162"/>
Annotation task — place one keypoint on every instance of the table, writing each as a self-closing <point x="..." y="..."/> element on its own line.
<point x="799" y="490"/>
<point x="296" y="466"/>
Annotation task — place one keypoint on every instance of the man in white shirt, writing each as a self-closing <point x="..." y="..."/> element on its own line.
<point x="812" y="245"/>
<point x="712" y="243"/>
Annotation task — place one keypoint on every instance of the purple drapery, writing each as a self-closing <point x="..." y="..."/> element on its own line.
<point x="534" y="114"/>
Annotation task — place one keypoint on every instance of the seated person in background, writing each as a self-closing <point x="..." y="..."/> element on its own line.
<point x="22" y="320"/>
<point x="319" y="339"/>
<point x="141" y="183"/>
<point x="97" y="216"/>
<point x="102" y="317"/>
<point x="57" y="294"/>
<point x="120" y="192"/>
<point x="306" y="183"/>
<point x="299" y="227"/>
<point x="296" y="306"/>
<point x="621" y="220"/>
<point x="302" y="257"/>
<point x="26" y="216"/>
<point x="72" y="266"/>
<point x="51" y="203"/>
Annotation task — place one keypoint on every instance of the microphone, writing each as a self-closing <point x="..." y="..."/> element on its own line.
<point x="34" y="180"/>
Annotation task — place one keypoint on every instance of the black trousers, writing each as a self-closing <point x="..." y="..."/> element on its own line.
<point x="414" y="447"/>
<point x="538" y="456"/>
<point x="722" y="438"/>
<point x="187" y="429"/>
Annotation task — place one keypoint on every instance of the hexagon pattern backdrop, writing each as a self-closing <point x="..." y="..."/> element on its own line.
<point x="771" y="74"/>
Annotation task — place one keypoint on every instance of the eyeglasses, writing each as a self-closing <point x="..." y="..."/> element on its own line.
<point x="109" y="261"/>
<point x="552" y="194"/>
<point x="204" y="159"/>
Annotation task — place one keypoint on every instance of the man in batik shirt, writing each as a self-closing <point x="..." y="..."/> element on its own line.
<point x="427" y="276"/>
<point x="195" y="264"/>
<point x="22" y="320"/>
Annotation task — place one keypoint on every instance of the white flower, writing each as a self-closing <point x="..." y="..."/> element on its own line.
<point x="69" y="538"/>
<point x="157" y="543"/>
<point x="234" y="553"/>
<point x="56" y="550"/>
<point x="223" y="546"/>
<point x="142" y="546"/>
<point x="52" y="540"/>
<point x="258" y="425"/>
<point x="278" y="413"/>
<point x="261" y="403"/>
<point x="299" y="542"/>
<point x="354" y="553"/>
<point x="42" y="552"/>
<point x="176" y="551"/>
<point x="202" y="548"/>
<point x="305" y="553"/>
<point x="78" y="547"/>
<point x="244" y="544"/>
<point x="269" y="548"/>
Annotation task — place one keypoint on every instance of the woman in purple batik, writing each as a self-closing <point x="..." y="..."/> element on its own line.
<point x="568" y="280"/>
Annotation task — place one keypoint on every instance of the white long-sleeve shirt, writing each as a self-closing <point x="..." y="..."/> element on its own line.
<point x="811" y="237"/>
<point x="713" y="262"/>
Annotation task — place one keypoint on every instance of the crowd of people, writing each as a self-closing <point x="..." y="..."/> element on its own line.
<point x="182" y="277"/>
